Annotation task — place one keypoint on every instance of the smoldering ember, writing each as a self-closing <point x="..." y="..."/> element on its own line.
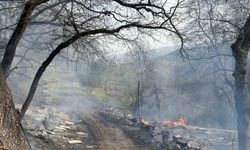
<point x="124" y="75"/>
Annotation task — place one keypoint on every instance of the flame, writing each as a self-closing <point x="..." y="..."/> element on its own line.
<point x="180" y="122"/>
<point x="144" y="121"/>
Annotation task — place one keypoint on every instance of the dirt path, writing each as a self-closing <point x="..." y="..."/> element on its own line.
<point x="108" y="135"/>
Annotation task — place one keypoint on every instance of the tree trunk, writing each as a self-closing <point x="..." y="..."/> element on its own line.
<point x="11" y="134"/>
<point x="242" y="102"/>
<point x="139" y="100"/>
<point x="157" y="99"/>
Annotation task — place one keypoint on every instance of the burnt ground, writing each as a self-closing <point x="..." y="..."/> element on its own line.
<point x="94" y="130"/>
<point x="44" y="135"/>
<point x="111" y="129"/>
<point x="178" y="137"/>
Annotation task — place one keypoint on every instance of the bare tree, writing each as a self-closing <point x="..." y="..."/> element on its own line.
<point x="142" y="80"/>
<point x="220" y="23"/>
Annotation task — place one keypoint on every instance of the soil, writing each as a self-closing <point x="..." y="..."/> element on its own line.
<point x="108" y="135"/>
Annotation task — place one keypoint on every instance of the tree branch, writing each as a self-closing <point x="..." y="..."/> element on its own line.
<point x="60" y="47"/>
<point x="16" y="36"/>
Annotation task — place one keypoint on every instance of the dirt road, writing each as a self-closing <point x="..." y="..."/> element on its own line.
<point x="108" y="135"/>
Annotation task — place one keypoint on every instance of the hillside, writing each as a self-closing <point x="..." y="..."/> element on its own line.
<point x="189" y="89"/>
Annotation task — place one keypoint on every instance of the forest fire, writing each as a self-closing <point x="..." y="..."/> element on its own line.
<point x="180" y="122"/>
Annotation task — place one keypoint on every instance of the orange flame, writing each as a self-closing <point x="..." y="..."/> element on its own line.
<point x="144" y="121"/>
<point x="180" y="122"/>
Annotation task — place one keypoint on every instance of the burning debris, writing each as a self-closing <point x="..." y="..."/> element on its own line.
<point x="176" y="141"/>
<point x="175" y="135"/>
<point x="144" y="121"/>
<point x="180" y="122"/>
